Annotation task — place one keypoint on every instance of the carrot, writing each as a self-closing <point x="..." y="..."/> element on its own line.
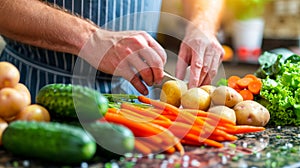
<point x="141" y="147"/>
<point x="134" y="117"/>
<point x="143" y="112"/>
<point x="170" y="117"/>
<point x="195" y="139"/>
<point x="244" y="82"/>
<point x="205" y="114"/>
<point x="252" y="76"/>
<point x="112" y="110"/>
<point x="154" y="147"/>
<point x="171" y="109"/>
<point x="232" y="81"/>
<point x="180" y="148"/>
<point x="242" y="129"/>
<point x="246" y="94"/>
<point x="170" y="150"/>
<point x="138" y="128"/>
<point x="213" y="143"/>
<point x="255" y="86"/>
<point x="159" y="104"/>
<point x="216" y="122"/>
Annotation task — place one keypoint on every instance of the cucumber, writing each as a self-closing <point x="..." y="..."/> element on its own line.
<point x="112" y="140"/>
<point x="72" y="102"/>
<point x="49" y="141"/>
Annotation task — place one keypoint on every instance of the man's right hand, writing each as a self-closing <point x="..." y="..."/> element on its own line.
<point x="130" y="54"/>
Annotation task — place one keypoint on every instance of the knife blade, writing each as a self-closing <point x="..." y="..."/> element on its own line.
<point x="168" y="76"/>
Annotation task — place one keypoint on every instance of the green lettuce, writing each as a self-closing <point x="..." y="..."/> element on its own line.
<point x="280" y="92"/>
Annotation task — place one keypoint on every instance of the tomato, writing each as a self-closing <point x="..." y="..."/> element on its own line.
<point x="11" y="102"/>
<point x="3" y="125"/>
<point x="24" y="91"/>
<point x="34" y="112"/>
<point x="9" y="75"/>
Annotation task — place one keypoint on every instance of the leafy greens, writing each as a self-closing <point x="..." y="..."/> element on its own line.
<point x="280" y="92"/>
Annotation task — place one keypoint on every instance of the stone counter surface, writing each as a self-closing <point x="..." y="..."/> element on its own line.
<point x="276" y="147"/>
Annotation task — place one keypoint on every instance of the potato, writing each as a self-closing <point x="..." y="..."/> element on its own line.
<point x="250" y="112"/>
<point x="11" y="102"/>
<point x="172" y="91"/>
<point x="208" y="88"/>
<point x="9" y="75"/>
<point x="224" y="95"/>
<point x="3" y="125"/>
<point x="34" y="112"/>
<point x="223" y="111"/>
<point x="196" y="98"/>
<point x="24" y="91"/>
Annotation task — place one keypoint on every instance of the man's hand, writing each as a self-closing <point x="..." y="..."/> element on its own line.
<point x="134" y="55"/>
<point x="200" y="48"/>
<point x="203" y="53"/>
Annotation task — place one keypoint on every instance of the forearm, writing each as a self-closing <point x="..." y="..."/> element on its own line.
<point x="35" y="23"/>
<point x="205" y="14"/>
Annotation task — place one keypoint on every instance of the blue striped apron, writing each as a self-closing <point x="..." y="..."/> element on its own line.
<point x="39" y="66"/>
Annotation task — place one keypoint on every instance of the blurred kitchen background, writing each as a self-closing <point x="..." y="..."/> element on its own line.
<point x="281" y="29"/>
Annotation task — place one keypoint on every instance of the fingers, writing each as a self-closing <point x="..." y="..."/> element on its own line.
<point x="145" y="56"/>
<point x="204" y="59"/>
<point x="196" y="68"/>
<point x="182" y="62"/>
<point x="157" y="48"/>
<point x="126" y="71"/>
<point x="216" y="61"/>
<point x="154" y="65"/>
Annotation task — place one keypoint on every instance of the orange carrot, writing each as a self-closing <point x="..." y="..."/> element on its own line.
<point x="170" y="150"/>
<point x="246" y="94"/>
<point x="138" y="128"/>
<point x="141" y="147"/>
<point x="132" y="116"/>
<point x="244" y="82"/>
<point x="180" y="148"/>
<point x="197" y="139"/>
<point x="242" y="129"/>
<point x="216" y="122"/>
<point x="153" y="146"/>
<point x="159" y="104"/>
<point x="170" y="117"/>
<point x="227" y="136"/>
<point x="143" y="112"/>
<point x="252" y="76"/>
<point x="171" y="109"/>
<point x="205" y="114"/>
<point x="112" y="110"/>
<point x="255" y="86"/>
<point x="232" y="81"/>
<point x="213" y="143"/>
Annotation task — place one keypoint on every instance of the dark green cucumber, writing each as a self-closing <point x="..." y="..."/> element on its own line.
<point x="67" y="101"/>
<point x="49" y="141"/>
<point x="112" y="140"/>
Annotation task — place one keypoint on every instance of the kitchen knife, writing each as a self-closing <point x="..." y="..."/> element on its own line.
<point x="168" y="76"/>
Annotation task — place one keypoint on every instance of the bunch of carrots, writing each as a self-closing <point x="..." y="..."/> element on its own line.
<point x="248" y="86"/>
<point x="162" y="127"/>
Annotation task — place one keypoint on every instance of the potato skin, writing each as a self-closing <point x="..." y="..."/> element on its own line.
<point x="250" y="112"/>
<point x="223" y="111"/>
<point x="11" y="103"/>
<point x="224" y="95"/>
<point x="208" y="88"/>
<point x="24" y="91"/>
<point x="172" y="91"/>
<point x="196" y="98"/>
<point x="9" y="75"/>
